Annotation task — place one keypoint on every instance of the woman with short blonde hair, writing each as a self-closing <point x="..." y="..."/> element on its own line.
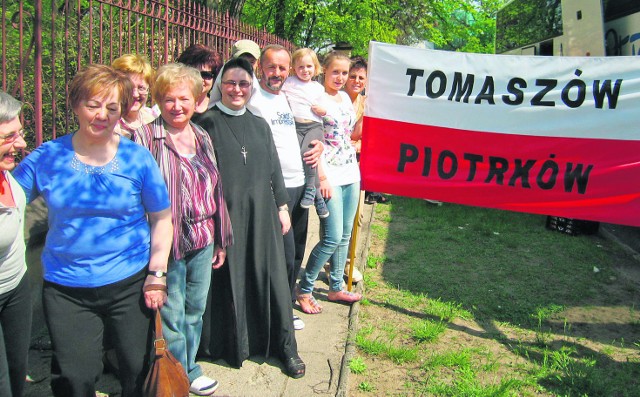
<point x="141" y="73"/>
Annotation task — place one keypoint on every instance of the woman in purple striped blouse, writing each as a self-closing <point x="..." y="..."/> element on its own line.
<point x="202" y="229"/>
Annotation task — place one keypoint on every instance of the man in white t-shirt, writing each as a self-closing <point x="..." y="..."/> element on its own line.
<point x="269" y="103"/>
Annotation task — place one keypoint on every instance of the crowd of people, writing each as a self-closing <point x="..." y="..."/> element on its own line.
<point x="196" y="206"/>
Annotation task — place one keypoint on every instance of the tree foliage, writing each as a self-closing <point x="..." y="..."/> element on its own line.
<point x="457" y="25"/>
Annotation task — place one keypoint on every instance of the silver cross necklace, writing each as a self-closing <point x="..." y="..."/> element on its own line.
<point x="243" y="149"/>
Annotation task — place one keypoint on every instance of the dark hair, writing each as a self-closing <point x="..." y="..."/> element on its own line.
<point x="197" y="55"/>
<point x="239" y="62"/>
<point x="358" y="62"/>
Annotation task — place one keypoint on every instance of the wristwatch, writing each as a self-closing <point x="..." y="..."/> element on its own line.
<point x="157" y="273"/>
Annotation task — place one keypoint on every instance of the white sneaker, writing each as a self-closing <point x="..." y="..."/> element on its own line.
<point x="298" y="324"/>
<point x="203" y="386"/>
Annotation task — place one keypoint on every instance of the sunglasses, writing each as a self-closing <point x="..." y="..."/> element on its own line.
<point x="206" y="75"/>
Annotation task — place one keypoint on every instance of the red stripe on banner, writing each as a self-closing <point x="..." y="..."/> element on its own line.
<point x="590" y="179"/>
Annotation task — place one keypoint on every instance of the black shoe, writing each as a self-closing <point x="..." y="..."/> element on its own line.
<point x="376" y="198"/>
<point x="295" y="367"/>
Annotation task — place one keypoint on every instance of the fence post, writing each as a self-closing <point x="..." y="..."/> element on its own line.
<point x="166" y="31"/>
<point x="38" y="72"/>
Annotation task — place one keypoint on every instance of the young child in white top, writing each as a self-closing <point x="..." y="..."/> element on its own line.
<point x="305" y="97"/>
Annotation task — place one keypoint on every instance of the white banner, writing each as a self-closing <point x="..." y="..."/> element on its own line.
<point x="585" y="97"/>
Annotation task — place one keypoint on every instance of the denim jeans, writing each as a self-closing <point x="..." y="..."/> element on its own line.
<point x="188" y="283"/>
<point x="334" y="242"/>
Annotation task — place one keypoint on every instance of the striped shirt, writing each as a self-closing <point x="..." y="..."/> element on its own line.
<point x="200" y="215"/>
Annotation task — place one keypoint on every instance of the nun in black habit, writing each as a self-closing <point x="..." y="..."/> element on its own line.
<point x="250" y="310"/>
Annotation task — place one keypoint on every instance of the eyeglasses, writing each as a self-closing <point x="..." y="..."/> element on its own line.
<point x="206" y="75"/>
<point x="142" y="89"/>
<point x="12" y="137"/>
<point x="241" y="83"/>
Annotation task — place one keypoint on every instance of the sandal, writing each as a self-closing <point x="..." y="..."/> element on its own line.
<point x="295" y="367"/>
<point x="344" y="296"/>
<point x="308" y="303"/>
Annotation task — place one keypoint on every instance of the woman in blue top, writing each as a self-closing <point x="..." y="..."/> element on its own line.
<point x="101" y="252"/>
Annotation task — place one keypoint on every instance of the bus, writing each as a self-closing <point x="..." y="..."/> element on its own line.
<point x="569" y="28"/>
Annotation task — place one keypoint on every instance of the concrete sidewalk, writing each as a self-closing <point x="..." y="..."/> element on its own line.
<point x="325" y="345"/>
<point x="322" y="344"/>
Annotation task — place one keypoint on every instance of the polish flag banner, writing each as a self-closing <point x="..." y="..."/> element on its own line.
<point x="547" y="135"/>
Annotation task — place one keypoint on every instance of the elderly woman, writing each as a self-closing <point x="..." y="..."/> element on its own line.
<point x="251" y="309"/>
<point x="15" y="294"/>
<point x="201" y="226"/>
<point x="141" y="74"/>
<point x="106" y="252"/>
<point x="208" y="63"/>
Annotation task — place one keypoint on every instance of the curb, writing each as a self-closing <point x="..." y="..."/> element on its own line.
<point x="350" y="345"/>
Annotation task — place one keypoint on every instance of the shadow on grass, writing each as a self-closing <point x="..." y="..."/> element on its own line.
<point x="506" y="267"/>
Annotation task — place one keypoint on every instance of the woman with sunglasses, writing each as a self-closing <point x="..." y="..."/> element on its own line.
<point x="208" y="62"/>
<point x="141" y="74"/>
<point x="15" y="294"/>
<point x="251" y="309"/>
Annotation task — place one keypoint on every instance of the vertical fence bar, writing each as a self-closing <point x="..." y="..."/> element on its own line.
<point x="21" y="56"/>
<point x="90" y="35"/>
<point x="166" y="31"/>
<point x="4" y="46"/>
<point x="54" y="99"/>
<point x="66" y="63"/>
<point x="111" y="33"/>
<point x="79" y="35"/>
<point x="159" y="29"/>
<point x="38" y="72"/>
<point x="101" y="33"/>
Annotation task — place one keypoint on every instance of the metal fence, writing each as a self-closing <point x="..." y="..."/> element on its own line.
<point x="45" y="42"/>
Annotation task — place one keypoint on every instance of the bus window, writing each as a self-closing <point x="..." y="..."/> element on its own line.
<point x="524" y="22"/>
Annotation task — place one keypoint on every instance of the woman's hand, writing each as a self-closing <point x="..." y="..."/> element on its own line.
<point x="155" y="288"/>
<point x="155" y="291"/>
<point x="285" y="221"/>
<point x="312" y="156"/>
<point x="325" y="189"/>
<point x="219" y="255"/>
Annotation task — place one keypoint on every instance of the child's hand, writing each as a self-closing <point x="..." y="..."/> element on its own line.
<point x="318" y="110"/>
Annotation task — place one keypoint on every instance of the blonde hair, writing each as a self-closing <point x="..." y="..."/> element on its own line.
<point x="96" y="79"/>
<point x="303" y="52"/>
<point x="335" y="56"/>
<point x="174" y="73"/>
<point x="135" y="64"/>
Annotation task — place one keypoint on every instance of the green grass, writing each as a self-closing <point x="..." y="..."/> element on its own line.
<point x="479" y="302"/>
<point x="427" y="330"/>
<point x="357" y="365"/>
